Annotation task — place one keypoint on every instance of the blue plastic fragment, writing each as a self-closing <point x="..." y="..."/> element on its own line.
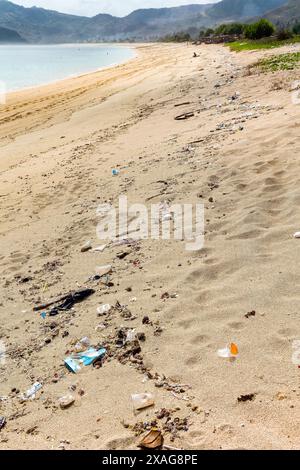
<point x="86" y="358"/>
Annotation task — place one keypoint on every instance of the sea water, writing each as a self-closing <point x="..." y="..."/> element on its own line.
<point x="23" y="66"/>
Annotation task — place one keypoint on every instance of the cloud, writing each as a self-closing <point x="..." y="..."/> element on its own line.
<point x="114" y="7"/>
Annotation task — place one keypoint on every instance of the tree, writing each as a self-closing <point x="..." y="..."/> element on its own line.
<point x="262" y="29"/>
<point x="209" y="32"/>
<point x="230" y="28"/>
<point x="177" y="37"/>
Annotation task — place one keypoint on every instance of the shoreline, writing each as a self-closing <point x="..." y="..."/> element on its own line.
<point x="236" y="152"/>
<point x="79" y="75"/>
<point x="68" y="94"/>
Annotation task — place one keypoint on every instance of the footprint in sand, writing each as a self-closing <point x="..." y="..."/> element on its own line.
<point x="122" y="443"/>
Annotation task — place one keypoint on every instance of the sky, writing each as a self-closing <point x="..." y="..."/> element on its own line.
<point x="114" y="7"/>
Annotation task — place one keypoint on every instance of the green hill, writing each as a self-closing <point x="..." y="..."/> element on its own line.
<point x="288" y="14"/>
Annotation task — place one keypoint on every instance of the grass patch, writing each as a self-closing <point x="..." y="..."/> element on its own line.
<point x="267" y="43"/>
<point x="279" y="62"/>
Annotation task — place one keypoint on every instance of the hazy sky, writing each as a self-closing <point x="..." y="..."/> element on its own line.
<point x="115" y="7"/>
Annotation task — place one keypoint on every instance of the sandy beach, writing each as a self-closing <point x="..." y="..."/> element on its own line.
<point x="238" y="154"/>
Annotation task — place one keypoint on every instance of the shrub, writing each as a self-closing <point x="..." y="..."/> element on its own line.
<point x="296" y="28"/>
<point x="283" y="34"/>
<point x="259" y="30"/>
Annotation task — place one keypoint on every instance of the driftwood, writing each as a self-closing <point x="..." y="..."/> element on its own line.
<point x="68" y="299"/>
<point x="182" y="104"/>
<point x="184" y="116"/>
<point x="37" y="308"/>
<point x="196" y="142"/>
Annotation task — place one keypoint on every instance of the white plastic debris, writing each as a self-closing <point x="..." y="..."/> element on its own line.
<point x="100" y="248"/>
<point x="86" y="247"/>
<point x="230" y="351"/>
<point x="142" y="401"/>
<point x="31" y="392"/>
<point x="104" y="309"/>
<point x="131" y="335"/>
<point x="82" y="345"/>
<point x="103" y="270"/>
<point x="297" y="235"/>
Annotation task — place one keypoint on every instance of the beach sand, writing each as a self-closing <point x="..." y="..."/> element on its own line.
<point x="59" y="144"/>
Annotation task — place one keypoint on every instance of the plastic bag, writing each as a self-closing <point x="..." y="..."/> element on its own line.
<point x="142" y="401"/>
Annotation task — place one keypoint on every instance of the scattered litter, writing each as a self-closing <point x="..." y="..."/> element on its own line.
<point x="230" y="351"/>
<point x="171" y="425"/>
<point x="2" y="422"/>
<point x="249" y="397"/>
<point x="153" y="440"/>
<point x="133" y="299"/>
<point x="43" y="315"/>
<point x="104" y="309"/>
<point x="86" y="247"/>
<point x="131" y="336"/>
<point x="235" y="96"/>
<point x="86" y="358"/>
<point x="179" y="397"/>
<point x="100" y="248"/>
<point x="101" y="327"/>
<point x="250" y="314"/>
<point x="123" y="254"/>
<point x="104" y="270"/>
<point x="82" y="345"/>
<point x="31" y="392"/>
<point x="142" y="401"/>
<point x="166" y="295"/>
<point x="66" y="402"/>
<point x="65" y="302"/>
<point x="181" y="117"/>
<point x="115" y="172"/>
<point x="297" y="235"/>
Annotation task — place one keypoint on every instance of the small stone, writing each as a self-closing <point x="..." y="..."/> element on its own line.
<point x="281" y="396"/>
<point x="66" y="401"/>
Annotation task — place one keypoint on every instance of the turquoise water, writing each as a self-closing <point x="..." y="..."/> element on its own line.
<point x="23" y="66"/>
